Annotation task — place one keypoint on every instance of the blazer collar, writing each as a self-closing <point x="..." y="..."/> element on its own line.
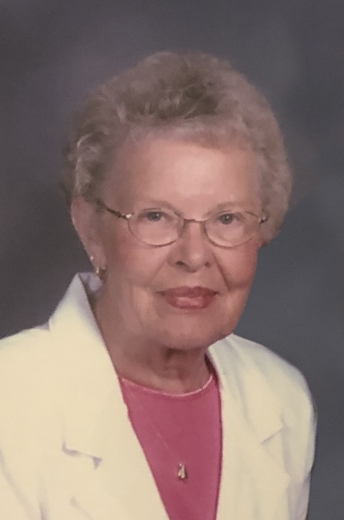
<point x="89" y="376"/>
<point x="252" y="397"/>
<point x="251" y="417"/>
<point x="95" y="424"/>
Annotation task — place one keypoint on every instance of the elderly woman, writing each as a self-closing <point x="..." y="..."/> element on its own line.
<point x="136" y="401"/>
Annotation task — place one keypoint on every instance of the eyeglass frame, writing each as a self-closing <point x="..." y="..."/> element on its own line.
<point x="127" y="217"/>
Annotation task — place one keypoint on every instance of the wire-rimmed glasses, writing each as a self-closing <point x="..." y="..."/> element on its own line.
<point x="162" y="226"/>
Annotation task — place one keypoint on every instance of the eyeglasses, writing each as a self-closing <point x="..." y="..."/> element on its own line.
<point x="161" y="227"/>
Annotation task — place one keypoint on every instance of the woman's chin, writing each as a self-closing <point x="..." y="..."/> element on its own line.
<point x="188" y="330"/>
<point x="190" y="337"/>
<point x="195" y="327"/>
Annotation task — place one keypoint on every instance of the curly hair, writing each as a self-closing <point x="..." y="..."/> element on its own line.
<point x="192" y="96"/>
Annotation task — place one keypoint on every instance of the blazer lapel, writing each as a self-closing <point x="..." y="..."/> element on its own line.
<point x="119" y="483"/>
<point x="253" y="484"/>
<point x="108" y="475"/>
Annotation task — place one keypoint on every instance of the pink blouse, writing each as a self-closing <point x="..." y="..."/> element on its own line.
<point x="181" y="438"/>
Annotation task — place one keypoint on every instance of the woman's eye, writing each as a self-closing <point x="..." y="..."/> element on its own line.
<point x="154" y="216"/>
<point x="227" y="218"/>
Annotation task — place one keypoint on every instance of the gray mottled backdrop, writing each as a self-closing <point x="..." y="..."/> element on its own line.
<point x="53" y="51"/>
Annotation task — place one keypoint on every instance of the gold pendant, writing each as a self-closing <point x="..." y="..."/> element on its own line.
<point x="182" y="472"/>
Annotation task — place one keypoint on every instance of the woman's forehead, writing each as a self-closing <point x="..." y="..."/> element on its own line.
<point x="174" y="171"/>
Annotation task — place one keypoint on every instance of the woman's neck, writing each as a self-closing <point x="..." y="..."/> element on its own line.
<point x="164" y="369"/>
<point x="156" y="366"/>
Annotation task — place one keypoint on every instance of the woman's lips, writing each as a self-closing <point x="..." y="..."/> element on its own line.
<point x="188" y="297"/>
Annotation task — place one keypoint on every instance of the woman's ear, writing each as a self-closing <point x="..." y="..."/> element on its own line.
<point x="85" y="222"/>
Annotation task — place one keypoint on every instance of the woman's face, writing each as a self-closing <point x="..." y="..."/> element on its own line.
<point x="150" y="291"/>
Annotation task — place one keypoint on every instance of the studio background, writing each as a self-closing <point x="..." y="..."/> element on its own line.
<point x="54" y="51"/>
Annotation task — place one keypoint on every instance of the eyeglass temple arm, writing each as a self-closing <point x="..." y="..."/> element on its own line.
<point x="118" y="214"/>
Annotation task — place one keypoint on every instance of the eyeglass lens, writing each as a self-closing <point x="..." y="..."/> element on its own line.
<point x="160" y="227"/>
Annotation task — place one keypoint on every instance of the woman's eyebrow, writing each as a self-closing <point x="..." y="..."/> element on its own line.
<point x="156" y="203"/>
<point x="166" y="204"/>
<point x="230" y="204"/>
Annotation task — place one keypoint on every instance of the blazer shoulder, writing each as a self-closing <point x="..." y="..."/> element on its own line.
<point x="26" y="373"/>
<point x="30" y="424"/>
<point x="270" y="364"/>
<point x="25" y="348"/>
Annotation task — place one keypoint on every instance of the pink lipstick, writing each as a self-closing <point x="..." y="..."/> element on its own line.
<point x="188" y="298"/>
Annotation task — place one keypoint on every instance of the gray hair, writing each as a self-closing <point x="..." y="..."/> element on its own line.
<point x="190" y="95"/>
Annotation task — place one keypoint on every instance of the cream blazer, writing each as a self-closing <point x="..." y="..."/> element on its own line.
<point x="68" y="451"/>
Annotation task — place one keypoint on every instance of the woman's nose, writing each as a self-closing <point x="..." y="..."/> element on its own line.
<point x="192" y="251"/>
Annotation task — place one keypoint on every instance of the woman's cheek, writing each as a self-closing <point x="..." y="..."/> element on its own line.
<point x="135" y="262"/>
<point x="240" y="266"/>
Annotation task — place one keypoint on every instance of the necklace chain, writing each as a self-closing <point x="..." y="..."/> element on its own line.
<point x="182" y="472"/>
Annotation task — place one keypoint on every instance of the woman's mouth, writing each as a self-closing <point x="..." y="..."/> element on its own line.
<point x="188" y="298"/>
